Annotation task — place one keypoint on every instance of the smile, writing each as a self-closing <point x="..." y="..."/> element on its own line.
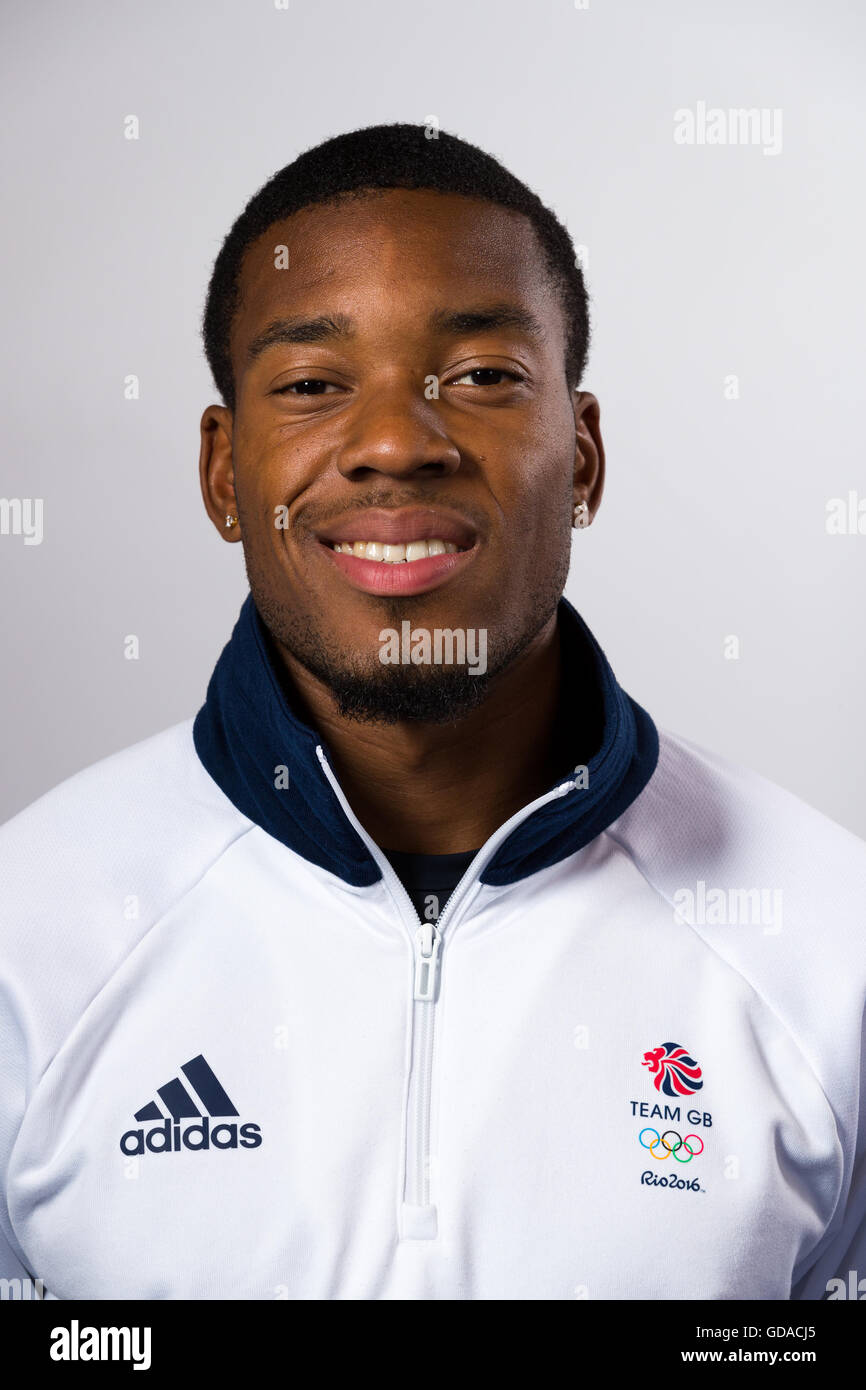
<point x="397" y="573"/>
<point x="397" y="554"/>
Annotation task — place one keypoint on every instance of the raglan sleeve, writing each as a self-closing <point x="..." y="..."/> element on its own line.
<point x="13" y="1065"/>
<point x="836" y="1269"/>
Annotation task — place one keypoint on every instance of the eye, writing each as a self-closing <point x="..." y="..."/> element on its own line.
<point x="486" y="376"/>
<point x="310" y="386"/>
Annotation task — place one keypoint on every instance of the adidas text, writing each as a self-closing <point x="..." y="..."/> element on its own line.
<point x="167" y="1137"/>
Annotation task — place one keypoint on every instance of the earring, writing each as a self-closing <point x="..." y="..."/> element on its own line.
<point x="230" y="521"/>
<point x="581" y="516"/>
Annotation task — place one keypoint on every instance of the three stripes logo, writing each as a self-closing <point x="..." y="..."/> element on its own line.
<point x="202" y="1100"/>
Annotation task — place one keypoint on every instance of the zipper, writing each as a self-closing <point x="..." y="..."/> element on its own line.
<point x="427" y="939"/>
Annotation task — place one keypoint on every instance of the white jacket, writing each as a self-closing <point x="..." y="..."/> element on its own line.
<point x="231" y="1071"/>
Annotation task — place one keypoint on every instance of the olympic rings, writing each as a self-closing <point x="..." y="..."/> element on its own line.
<point x="679" y="1144"/>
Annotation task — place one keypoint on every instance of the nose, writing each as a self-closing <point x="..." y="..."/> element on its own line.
<point x="398" y="432"/>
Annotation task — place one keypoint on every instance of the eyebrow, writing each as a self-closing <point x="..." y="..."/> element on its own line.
<point x="454" y="322"/>
<point x="484" y="318"/>
<point x="301" y="330"/>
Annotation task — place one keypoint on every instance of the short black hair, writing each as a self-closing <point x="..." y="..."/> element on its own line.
<point x="383" y="157"/>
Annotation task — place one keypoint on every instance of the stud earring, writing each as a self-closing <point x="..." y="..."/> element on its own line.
<point x="581" y="516"/>
<point x="230" y="521"/>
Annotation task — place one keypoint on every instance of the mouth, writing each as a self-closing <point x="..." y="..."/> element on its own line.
<point x="402" y="552"/>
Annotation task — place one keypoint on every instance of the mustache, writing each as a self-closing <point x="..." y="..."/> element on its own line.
<point x="312" y="517"/>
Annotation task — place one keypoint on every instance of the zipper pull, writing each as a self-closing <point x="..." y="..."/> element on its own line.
<point x="428" y="940"/>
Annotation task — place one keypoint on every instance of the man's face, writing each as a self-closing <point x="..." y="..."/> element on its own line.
<point x="402" y="383"/>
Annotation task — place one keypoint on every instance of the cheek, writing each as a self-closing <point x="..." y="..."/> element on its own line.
<point x="539" y="498"/>
<point x="540" y="454"/>
<point x="266" y="477"/>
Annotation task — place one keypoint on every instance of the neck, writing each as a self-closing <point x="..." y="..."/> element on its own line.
<point x="440" y="789"/>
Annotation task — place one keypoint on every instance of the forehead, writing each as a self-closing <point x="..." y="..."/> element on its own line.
<point x="391" y="253"/>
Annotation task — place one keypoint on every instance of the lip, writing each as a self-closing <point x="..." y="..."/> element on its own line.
<point x="394" y="528"/>
<point x="410" y="577"/>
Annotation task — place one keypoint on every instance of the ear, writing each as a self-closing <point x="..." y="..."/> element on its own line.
<point x="588" y="452"/>
<point x="216" y="469"/>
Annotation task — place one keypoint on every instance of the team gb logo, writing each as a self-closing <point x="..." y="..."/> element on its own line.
<point x="675" y="1073"/>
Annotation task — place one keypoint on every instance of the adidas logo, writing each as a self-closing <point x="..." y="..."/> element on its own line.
<point x="178" y="1099"/>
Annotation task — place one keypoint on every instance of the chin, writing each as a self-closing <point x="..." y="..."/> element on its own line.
<point x="413" y="695"/>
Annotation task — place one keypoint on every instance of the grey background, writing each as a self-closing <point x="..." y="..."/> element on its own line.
<point x="703" y="261"/>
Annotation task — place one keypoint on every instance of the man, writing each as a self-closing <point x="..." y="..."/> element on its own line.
<point x="420" y="966"/>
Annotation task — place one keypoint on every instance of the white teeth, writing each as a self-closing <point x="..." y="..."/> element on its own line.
<point x="396" y="554"/>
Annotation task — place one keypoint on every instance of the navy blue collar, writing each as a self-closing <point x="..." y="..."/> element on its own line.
<point x="247" y="730"/>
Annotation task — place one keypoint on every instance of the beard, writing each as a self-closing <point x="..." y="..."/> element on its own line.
<point x="368" y="692"/>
